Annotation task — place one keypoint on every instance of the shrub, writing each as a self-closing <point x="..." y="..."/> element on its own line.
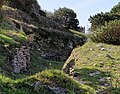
<point x="110" y="33"/>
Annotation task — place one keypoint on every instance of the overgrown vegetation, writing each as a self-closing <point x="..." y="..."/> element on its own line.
<point x="110" y="33"/>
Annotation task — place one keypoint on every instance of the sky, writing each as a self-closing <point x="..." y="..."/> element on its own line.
<point x="83" y="8"/>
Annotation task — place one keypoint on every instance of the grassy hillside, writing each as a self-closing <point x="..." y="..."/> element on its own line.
<point x="98" y="65"/>
<point x="47" y="80"/>
<point x="42" y="76"/>
<point x="48" y="44"/>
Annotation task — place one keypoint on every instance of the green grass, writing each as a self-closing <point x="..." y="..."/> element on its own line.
<point x="77" y="33"/>
<point x="52" y="78"/>
<point x="4" y="7"/>
<point x="40" y="70"/>
<point x="11" y="83"/>
<point x="90" y="58"/>
<point x="9" y="36"/>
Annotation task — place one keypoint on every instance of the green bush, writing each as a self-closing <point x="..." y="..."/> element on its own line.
<point x="110" y="33"/>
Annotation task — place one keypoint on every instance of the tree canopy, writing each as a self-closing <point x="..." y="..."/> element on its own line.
<point x="101" y="18"/>
<point x="67" y="17"/>
<point x="116" y="9"/>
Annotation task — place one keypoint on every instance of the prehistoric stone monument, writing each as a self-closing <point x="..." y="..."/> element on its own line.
<point x="21" y="60"/>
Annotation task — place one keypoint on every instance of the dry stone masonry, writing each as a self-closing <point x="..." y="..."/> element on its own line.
<point x="21" y="60"/>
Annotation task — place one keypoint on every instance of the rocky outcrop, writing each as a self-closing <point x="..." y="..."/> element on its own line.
<point x="51" y="40"/>
<point x="17" y="16"/>
<point x="51" y="44"/>
<point x="54" y="44"/>
<point x="21" y="60"/>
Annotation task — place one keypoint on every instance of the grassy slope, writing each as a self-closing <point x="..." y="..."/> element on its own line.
<point x="94" y="58"/>
<point x="24" y="81"/>
<point x="11" y="83"/>
<point x="52" y="78"/>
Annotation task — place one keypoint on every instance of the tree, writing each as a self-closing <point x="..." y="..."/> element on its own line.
<point x="109" y="33"/>
<point x="67" y="17"/>
<point x="116" y="9"/>
<point x="101" y="18"/>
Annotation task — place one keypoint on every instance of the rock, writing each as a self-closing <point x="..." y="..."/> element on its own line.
<point x="106" y="84"/>
<point x="95" y="73"/>
<point x="91" y="74"/>
<point x="91" y="49"/>
<point x="52" y="55"/>
<point x="103" y="49"/>
<point x="47" y="35"/>
<point x="70" y="45"/>
<point x="58" y="90"/>
<point x="102" y="79"/>
<point x="100" y="46"/>
<point x="39" y="49"/>
<point x="36" y="84"/>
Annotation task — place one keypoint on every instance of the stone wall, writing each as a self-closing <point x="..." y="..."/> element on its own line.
<point x="21" y="60"/>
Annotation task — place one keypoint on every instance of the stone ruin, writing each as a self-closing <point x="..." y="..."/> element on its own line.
<point x="21" y="60"/>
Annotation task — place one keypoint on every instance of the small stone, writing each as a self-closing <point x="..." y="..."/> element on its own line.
<point x="102" y="80"/>
<point x="100" y="45"/>
<point x="36" y="84"/>
<point x="91" y="74"/>
<point x="39" y="49"/>
<point x="94" y="64"/>
<point x="97" y="72"/>
<point x="91" y="49"/>
<point x="106" y="84"/>
<point x="103" y="49"/>
<point x="109" y="78"/>
<point x="23" y="47"/>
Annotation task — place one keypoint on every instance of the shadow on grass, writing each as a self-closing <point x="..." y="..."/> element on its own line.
<point x="94" y="78"/>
